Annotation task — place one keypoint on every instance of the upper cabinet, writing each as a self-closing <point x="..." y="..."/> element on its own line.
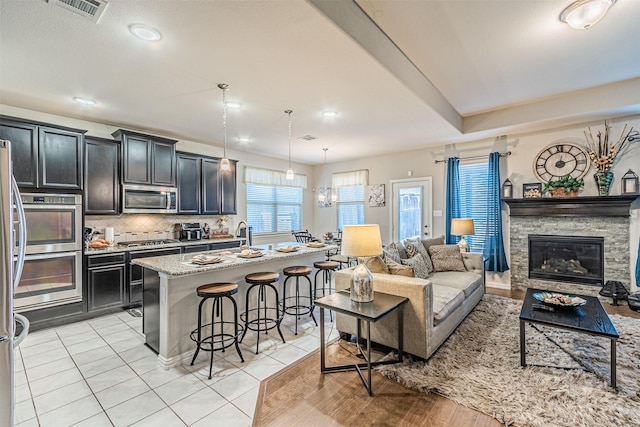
<point x="102" y="176"/>
<point x="203" y="188"/>
<point x="44" y="156"/>
<point x="147" y="159"/>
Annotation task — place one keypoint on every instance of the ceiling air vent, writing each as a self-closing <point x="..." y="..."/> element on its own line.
<point x="90" y="9"/>
<point x="308" y="137"/>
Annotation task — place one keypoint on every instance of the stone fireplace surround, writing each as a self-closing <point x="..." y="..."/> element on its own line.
<point x="565" y="218"/>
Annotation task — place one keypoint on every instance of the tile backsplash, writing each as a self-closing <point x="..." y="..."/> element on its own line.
<point x="130" y="227"/>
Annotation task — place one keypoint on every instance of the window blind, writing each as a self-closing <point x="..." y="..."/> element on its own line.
<point x="473" y="200"/>
<point x="273" y="209"/>
<point x="350" y="205"/>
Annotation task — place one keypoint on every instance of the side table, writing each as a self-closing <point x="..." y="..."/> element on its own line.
<point x="368" y="312"/>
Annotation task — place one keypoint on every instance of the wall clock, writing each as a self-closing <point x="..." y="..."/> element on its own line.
<point x="558" y="160"/>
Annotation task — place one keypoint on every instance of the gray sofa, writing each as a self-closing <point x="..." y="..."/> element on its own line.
<point x="436" y="305"/>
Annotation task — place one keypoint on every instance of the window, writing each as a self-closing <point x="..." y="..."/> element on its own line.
<point x="273" y="208"/>
<point x="350" y="205"/>
<point x="473" y="200"/>
<point x="274" y="204"/>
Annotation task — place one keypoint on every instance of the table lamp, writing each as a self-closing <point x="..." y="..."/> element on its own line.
<point x="462" y="227"/>
<point x="361" y="241"/>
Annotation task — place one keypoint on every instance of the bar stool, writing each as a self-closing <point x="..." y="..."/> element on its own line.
<point x="263" y="281"/>
<point x="327" y="268"/>
<point x="222" y="340"/>
<point x="297" y="308"/>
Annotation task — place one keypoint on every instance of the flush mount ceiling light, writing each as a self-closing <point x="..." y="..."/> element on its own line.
<point x="84" y="101"/>
<point x="290" y="175"/>
<point x="583" y="14"/>
<point x="224" y="163"/>
<point x="145" y="32"/>
<point x="234" y="105"/>
<point x="329" y="113"/>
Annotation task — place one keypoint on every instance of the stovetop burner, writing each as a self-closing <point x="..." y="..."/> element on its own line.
<point x="139" y="243"/>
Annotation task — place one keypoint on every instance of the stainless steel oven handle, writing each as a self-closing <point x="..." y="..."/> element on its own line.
<point x="22" y="233"/>
<point x="25" y="329"/>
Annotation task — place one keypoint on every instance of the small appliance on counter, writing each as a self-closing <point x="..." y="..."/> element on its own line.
<point x="190" y="231"/>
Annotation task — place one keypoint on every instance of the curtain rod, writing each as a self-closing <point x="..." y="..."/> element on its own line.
<point x="508" y="153"/>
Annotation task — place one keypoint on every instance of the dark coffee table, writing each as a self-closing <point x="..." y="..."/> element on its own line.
<point x="590" y="318"/>
<point x="368" y="312"/>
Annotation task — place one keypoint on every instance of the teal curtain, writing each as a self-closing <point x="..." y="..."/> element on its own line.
<point x="638" y="266"/>
<point x="452" y="198"/>
<point x="494" y="256"/>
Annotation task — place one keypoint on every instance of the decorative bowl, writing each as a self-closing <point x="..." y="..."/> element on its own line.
<point x="559" y="300"/>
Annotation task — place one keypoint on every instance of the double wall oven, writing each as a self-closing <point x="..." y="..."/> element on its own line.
<point x="52" y="272"/>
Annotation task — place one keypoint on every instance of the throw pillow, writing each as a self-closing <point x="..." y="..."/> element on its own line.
<point x="391" y="252"/>
<point x="398" y="269"/>
<point x="420" y="268"/>
<point x="446" y="258"/>
<point x="414" y="247"/>
<point x="397" y="246"/>
<point x="376" y="265"/>
<point x="427" y="243"/>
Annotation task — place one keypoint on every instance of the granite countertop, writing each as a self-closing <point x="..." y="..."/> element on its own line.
<point x="180" y="265"/>
<point x="117" y="248"/>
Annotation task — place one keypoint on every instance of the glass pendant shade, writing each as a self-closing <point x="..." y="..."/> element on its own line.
<point x="290" y="175"/>
<point x="583" y="14"/>
<point x="224" y="163"/>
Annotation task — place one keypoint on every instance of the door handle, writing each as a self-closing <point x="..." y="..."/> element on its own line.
<point x="25" y="329"/>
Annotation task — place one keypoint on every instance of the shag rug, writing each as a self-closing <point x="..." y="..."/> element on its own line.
<point x="479" y="367"/>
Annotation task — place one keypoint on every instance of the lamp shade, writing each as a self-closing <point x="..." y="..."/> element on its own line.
<point x="462" y="227"/>
<point x="361" y="240"/>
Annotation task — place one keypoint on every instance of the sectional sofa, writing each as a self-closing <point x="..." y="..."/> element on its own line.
<point x="437" y="304"/>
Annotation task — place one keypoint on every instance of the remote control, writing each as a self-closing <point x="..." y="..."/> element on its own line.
<point x="543" y="307"/>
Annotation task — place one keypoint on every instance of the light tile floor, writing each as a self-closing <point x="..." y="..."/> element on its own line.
<point x="99" y="373"/>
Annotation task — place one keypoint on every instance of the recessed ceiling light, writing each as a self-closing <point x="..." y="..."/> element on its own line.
<point x="329" y="113"/>
<point x="145" y="32"/>
<point x="84" y="101"/>
<point x="242" y="139"/>
<point x="234" y="105"/>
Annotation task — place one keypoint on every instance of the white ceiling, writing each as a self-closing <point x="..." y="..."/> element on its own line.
<point x="401" y="74"/>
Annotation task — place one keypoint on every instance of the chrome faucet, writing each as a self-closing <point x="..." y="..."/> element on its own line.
<point x="240" y="226"/>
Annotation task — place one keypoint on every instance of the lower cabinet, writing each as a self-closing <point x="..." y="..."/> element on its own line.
<point x="106" y="281"/>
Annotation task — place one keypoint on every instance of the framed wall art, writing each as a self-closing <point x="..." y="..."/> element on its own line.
<point x="376" y="195"/>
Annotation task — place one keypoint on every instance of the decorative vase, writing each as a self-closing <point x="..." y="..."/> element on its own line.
<point x="560" y="192"/>
<point x="603" y="181"/>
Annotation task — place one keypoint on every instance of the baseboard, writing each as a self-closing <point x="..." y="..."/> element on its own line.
<point x="174" y="361"/>
<point x="497" y="285"/>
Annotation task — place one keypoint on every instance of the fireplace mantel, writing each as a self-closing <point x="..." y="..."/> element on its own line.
<point x="594" y="206"/>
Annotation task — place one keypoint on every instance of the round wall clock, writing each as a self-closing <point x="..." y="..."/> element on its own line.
<point x="558" y="160"/>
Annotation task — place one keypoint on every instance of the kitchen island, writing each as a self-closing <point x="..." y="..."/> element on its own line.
<point x="170" y="303"/>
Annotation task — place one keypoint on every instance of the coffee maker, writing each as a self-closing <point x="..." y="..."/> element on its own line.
<point x="190" y="231"/>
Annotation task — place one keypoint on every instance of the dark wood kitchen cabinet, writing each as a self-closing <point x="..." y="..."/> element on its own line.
<point x="44" y="156"/>
<point x="203" y="188"/>
<point x="106" y="281"/>
<point x="147" y="159"/>
<point x="102" y="176"/>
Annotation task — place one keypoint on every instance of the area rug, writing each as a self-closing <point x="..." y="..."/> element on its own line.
<point x="479" y="367"/>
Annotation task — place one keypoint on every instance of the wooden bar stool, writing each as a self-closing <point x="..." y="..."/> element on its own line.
<point x="224" y="338"/>
<point x="266" y="317"/>
<point x="293" y="305"/>
<point x="327" y="268"/>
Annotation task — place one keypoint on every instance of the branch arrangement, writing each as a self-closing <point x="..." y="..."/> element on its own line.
<point x="604" y="154"/>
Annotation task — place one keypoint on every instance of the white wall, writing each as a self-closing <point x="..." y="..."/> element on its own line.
<point x="518" y="168"/>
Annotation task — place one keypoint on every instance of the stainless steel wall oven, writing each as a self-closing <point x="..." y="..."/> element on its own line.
<point x="52" y="273"/>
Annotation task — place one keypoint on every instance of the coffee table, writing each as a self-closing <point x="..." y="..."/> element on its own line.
<point x="590" y="318"/>
<point x="367" y="312"/>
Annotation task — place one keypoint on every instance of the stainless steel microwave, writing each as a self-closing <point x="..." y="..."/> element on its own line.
<point x="148" y="199"/>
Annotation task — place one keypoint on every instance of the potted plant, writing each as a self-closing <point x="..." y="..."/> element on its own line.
<point x="567" y="186"/>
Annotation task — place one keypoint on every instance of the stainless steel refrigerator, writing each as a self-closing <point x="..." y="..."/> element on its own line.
<point x="12" y="242"/>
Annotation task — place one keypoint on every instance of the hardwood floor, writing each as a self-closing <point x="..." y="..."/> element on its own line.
<point x="300" y="395"/>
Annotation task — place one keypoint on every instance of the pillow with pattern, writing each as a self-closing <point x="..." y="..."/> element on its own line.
<point x="414" y="247"/>
<point x="427" y="243"/>
<point x="446" y="258"/>
<point x="398" y="247"/>
<point x="392" y="253"/>
<point x="397" y="268"/>
<point x="376" y="265"/>
<point x="417" y="262"/>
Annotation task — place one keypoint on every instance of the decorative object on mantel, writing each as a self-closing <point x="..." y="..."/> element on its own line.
<point x="630" y="183"/>
<point x="615" y="290"/>
<point x="604" y="154"/>
<point x="507" y="189"/>
<point x="567" y="186"/>
<point x="560" y="159"/>
<point x="532" y="190"/>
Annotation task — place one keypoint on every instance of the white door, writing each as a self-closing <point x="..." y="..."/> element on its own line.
<point x="411" y="208"/>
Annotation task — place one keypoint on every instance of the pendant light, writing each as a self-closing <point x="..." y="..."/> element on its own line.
<point x="290" y="175"/>
<point x="224" y="163"/>
<point x="322" y="194"/>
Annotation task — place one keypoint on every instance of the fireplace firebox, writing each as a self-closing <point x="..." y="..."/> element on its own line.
<point x="575" y="259"/>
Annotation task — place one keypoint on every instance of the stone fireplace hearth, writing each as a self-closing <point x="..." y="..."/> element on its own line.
<point x="562" y="218"/>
